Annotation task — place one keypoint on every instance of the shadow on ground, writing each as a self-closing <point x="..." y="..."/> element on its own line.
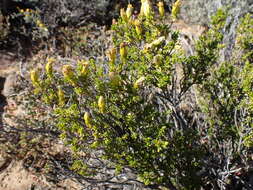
<point x="2" y="99"/>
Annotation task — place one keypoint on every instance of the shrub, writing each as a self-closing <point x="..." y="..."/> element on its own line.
<point x="132" y="107"/>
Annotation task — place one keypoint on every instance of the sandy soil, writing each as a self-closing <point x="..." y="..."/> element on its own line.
<point x="15" y="177"/>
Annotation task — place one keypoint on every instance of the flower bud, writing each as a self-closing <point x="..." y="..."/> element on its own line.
<point x="175" y="9"/>
<point x="49" y="67"/>
<point x="112" y="55"/>
<point x="123" y="14"/>
<point x="34" y="77"/>
<point x="87" y="119"/>
<point x="138" y="28"/>
<point x="85" y="68"/>
<point x="161" y="8"/>
<point x="101" y="104"/>
<point x="61" y="96"/>
<point x="141" y="11"/>
<point x="146" y="8"/>
<point x="129" y="11"/>
<point x="123" y="51"/>
<point x="139" y="82"/>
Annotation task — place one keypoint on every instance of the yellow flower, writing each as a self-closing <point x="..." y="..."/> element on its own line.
<point x="161" y="8"/>
<point x="138" y="28"/>
<point x="67" y="71"/>
<point x="38" y="22"/>
<point x="49" y="67"/>
<point x="61" y="96"/>
<point x="34" y="77"/>
<point x="41" y="25"/>
<point x="146" y="8"/>
<point x="129" y="11"/>
<point x="112" y="55"/>
<point x="87" y="119"/>
<point x="123" y="51"/>
<point x="85" y="66"/>
<point x="175" y="9"/>
<point x="123" y="14"/>
<point x="141" y="11"/>
<point x="139" y="82"/>
<point x="101" y="104"/>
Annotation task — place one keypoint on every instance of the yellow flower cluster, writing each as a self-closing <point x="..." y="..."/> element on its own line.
<point x="26" y="11"/>
<point x="33" y="14"/>
<point x="146" y="10"/>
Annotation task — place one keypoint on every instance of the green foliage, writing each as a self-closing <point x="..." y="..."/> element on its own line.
<point x="221" y="100"/>
<point x="130" y="106"/>
<point x="245" y="37"/>
<point x="245" y="43"/>
<point x="226" y="96"/>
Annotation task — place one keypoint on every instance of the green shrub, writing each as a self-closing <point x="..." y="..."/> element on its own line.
<point x="131" y="106"/>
